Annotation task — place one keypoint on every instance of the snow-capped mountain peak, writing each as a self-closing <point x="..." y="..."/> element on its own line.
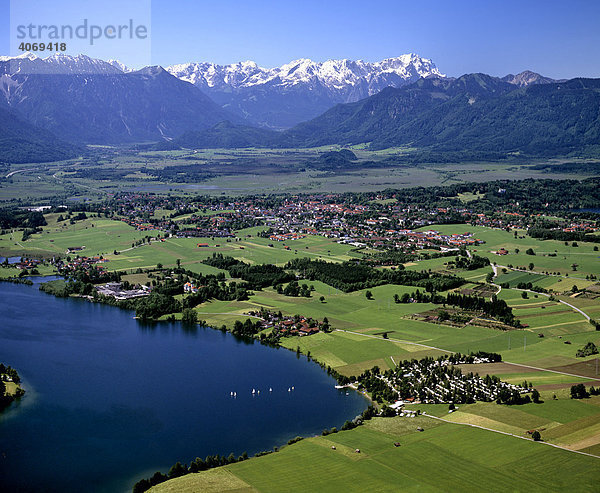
<point x="331" y="73"/>
<point x="120" y="65"/>
<point x="301" y="89"/>
<point x="58" y="63"/>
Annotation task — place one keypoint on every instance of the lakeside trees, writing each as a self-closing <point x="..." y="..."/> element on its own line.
<point x="9" y="374"/>
<point x="156" y="305"/>
<point x="178" y="469"/>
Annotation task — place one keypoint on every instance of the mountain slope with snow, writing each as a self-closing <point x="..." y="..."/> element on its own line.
<point x="84" y="100"/>
<point x="283" y="96"/>
<point x="58" y="63"/>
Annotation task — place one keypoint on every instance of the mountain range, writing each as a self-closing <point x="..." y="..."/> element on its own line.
<point x="473" y="115"/>
<point x="282" y="97"/>
<point x="475" y="112"/>
<point x="405" y="101"/>
<point x="84" y="100"/>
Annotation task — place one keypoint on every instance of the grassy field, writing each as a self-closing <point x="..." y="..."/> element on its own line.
<point x="443" y="457"/>
<point x="369" y="319"/>
<point x="565" y="255"/>
<point x="275" y="171"/>
<point x="360" y="345"/>
<point x="99" y="236"/>
<point x="462" y="457"/>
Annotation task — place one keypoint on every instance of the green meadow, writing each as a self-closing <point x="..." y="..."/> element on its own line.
<point x="550" y="255"/>
<point x="98" y="236"/>
<point x="443" y="457"/>
<point x="377" y="331"/>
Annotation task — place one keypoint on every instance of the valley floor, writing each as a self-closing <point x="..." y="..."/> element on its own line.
<point x="377" y="331"/>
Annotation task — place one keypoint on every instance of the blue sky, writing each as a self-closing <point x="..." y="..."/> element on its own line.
<point x="557" y="39"/>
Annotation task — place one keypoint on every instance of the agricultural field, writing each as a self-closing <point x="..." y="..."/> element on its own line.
<point x="376" y="331"/>
<point x="444" y="456"/>
<point x="98" y="236"/>
<point x="250" y="248"/>
<point x="359" y="343"/>
<point x="564" y="256"/>
<point x="241" y="171"/>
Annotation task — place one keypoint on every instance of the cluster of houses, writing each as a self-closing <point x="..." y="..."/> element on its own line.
<point x="288" y="326"/>
<point x="287" y="236"/>
<point x="190" y="287"/>
<point x="26" y="263"/>
<point x="80" y="262"/>
<point x="438" y="381"/>
<point x="114" y="290"/>
<point x="138" y="209"/>
<point x="432" y="237"/>
<point x="204" y="233"/>
<point x="141" y="225"/>
<point x="392" y="225"/>
<point x="580" y="227"/>
<point x="409" y="239"/>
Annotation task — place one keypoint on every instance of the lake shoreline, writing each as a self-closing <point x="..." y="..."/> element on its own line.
<point x="178" y="329"/>
<point x="170" y="318"/>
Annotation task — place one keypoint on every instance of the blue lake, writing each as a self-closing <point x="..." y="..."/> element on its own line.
<point x="110" y="400"/>
<point x="11" y="260"/>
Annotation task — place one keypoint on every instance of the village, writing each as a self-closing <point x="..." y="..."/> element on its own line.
<point x="441" y="382"/>
<point x="283" y="326"/>
<point x="438" y="381"/>
<point x="382" y="225"/>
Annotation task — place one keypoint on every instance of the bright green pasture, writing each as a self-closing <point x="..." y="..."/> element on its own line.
<point x="583" y="255"/>
<point x="253" y="250"/>
<point x="99" y="236"/>
<point x="372" y="318"/>
<point x="443" y="457"/>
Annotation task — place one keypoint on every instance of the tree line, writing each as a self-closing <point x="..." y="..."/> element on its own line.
<point x="352" y="276"/>
<point x="179" y="469"/>
<point x="258" y="276"/>
<point x="557" y="234"/>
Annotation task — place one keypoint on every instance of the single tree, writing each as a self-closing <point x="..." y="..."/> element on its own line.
<point x="189" y="316"/>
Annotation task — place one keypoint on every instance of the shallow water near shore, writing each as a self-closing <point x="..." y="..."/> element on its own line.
<point x="110" y="400"/>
